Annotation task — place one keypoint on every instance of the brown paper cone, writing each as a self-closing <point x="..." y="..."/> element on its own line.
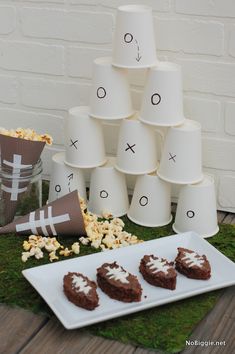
<point x="17" y="158"/>
<point x="60" y="217"/>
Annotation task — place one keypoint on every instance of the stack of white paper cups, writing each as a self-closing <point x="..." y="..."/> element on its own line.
<point x="108" y="191"/>
<point x="65" y="179"/>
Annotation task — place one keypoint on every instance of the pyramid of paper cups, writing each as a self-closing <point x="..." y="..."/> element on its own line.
<point x="162" y="106"/>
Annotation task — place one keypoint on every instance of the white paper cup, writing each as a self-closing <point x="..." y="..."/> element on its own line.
<point x="134" y="43"/>
<point x="137" y="148"/>
<point x="108" y="191"/>
<point x="84" y="141"/>
<point x="196" y="209"/>
<point x="151" y="202"/>
<point x="181" y="160"/>
<point x="110" y="93"/>
<point x="162" y="102"/>
<point x="65" y="179"/>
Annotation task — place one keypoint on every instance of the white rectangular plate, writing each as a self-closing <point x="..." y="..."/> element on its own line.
<point x="48" y="279"/>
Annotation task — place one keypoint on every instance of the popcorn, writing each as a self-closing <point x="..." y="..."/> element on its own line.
<point x="75" y="248"/>
<point x="66" y="252"/>
<point x="53" y="256"/>
<point x="107" y="215"/>
<point x="84" y="240"/>
<point x="25" y="256"/>
<point x="27" y="134"/>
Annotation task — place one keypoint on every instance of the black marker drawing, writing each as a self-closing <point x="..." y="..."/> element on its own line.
<point x="143" y="200"/>
<point x="104" y="194"/>
<point x="128" y="38"/>
<point x="101" y="92"/>
<point x="73" y="143"/>
<point x="172" y="157"/>
<point x="155" y="99"/>
<point x="138" y="51"/>
<point x="190" y="214"/>
<point x="130" y="147"/>
<point x="58" y="188"/>
<point x="70" y="177"/>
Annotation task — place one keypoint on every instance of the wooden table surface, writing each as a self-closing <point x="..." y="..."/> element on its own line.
<point x="23" y="332"/>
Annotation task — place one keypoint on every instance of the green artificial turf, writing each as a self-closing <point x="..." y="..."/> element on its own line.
<point x="164" y="328"/>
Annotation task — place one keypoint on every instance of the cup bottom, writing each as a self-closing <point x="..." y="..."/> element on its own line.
<point x="162" y="124"/>
<point x="210" y="234"/>
<point x="85" y="166"/>
<point x="135" y="172"/>
<point x="123" y="116"/>
<point x="144" y="66"/>
<point x="199" y="179"/>
<point x="147" y="224"/>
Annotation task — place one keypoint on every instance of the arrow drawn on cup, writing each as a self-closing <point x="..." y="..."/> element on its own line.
<point x="128" y="38"/>
<point x="138" y="51"/>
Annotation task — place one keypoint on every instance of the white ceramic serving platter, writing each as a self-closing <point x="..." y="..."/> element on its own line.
<point x="48" y="279"/>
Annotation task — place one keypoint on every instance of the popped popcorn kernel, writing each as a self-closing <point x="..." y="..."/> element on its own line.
<point x="66" y="252"/>
<point x="53" y="256"/>
<point x="75" y="248"/>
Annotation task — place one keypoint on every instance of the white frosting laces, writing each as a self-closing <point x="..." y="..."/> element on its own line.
<point x="192" y="259"/>
<point x="157" y="265"/>
<point x="118" y="274"/>
<point x="80" y="284"/>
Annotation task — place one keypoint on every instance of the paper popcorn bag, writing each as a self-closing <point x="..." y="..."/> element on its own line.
<point x="60" y="217"/>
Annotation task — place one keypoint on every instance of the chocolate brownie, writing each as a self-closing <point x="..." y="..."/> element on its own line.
<point x="158" y="271"/>
<point x="81" y="290"/>
<point x="117" y="283"/>
<point x="192" y="264"/>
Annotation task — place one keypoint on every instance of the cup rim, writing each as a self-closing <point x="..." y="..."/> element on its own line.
<point x="85" y="166"/>
<point x="161" y="124"/>
<point x="135" y="8"/>
<point x="198" y="180"/>
<point x="210" y="234"/>
<point x="148" y="224"/>
<point x="131" y="66"/>
<point x="135" y="173"/>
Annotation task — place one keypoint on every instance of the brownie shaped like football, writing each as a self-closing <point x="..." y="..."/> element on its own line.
<point x="158" y="272"/>
<point x="192" y="265"/>
<point x="118" y="284"/>
<point x="81" y="291"/>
